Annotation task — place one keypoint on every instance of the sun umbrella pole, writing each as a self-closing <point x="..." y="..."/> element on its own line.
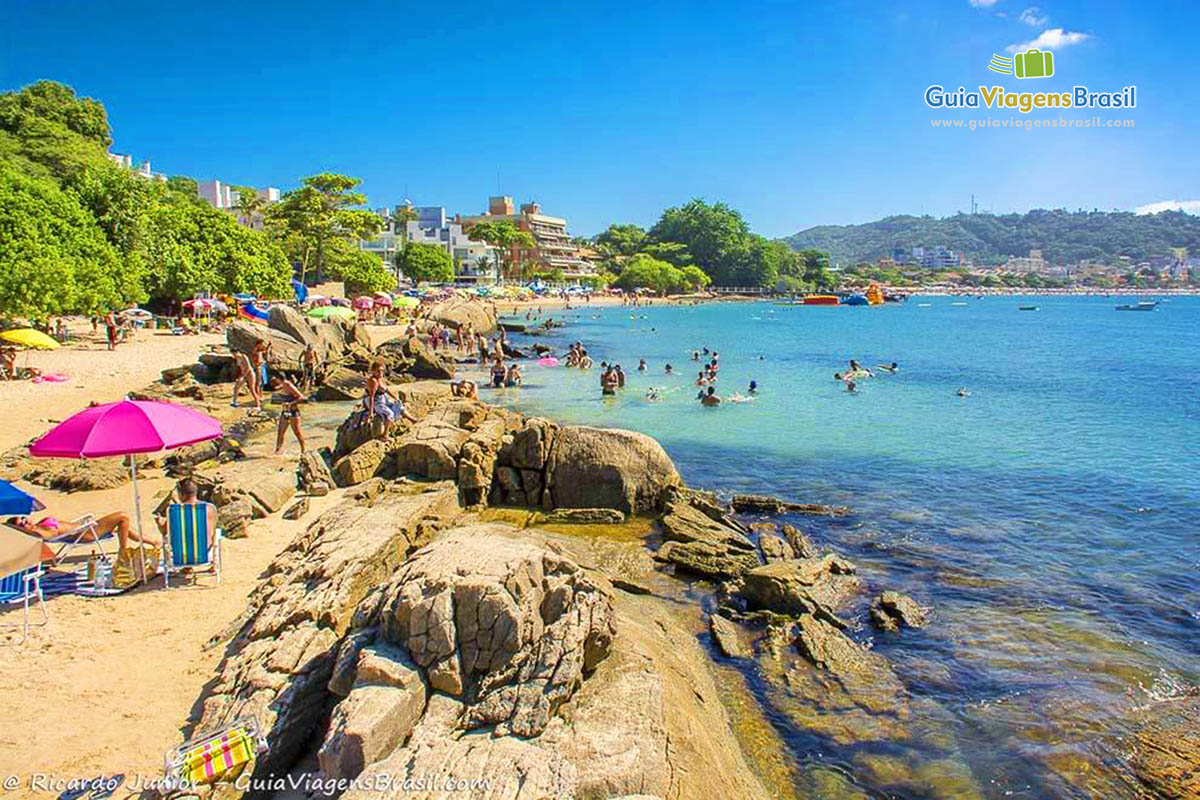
<point x="137" y="515"/>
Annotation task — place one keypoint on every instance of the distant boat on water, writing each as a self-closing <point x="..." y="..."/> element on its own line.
<point x="822" y="300"/>
<point x="1145" y="305"/>
<point x="1027" y="308"/>
<point x="856" y="300"/>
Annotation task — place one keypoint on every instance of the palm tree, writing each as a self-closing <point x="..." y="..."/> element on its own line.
<point x="248" y="205"/>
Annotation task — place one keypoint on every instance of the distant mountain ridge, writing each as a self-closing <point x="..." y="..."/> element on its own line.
<point x="1064" y="237"/>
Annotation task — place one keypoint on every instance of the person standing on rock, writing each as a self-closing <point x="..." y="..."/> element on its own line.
<point x="309" y="362"/>
<point x="246" y="377"/>
<point x="258" y="359"/>
<point x="289" y="416"/>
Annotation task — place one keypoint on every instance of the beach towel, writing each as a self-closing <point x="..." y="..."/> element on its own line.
<point x="57" y="377"/>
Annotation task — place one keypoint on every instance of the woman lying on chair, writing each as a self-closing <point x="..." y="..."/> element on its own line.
<point x="117" y="522"/>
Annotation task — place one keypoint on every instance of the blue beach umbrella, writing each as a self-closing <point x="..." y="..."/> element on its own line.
<point x="13" y="501"/>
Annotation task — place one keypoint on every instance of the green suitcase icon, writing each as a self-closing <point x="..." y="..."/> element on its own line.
<point x="1034" y="64"/>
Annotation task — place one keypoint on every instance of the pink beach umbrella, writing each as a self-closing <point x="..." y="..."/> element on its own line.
<point x="548" y="361"/>
<point x="126" y="428"/>
<point x="364" y="303"/>
<point x="382" y="299"/>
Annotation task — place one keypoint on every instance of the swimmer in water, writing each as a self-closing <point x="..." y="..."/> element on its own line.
<point x="641" y="365"/>
<point x="710" y="398"/>
<point x="962" y="392"/>
<point x="893" y="368"/>
<point x="753" y="387"/>
<point x="850" y="387"/>
<point x="670" y="370"/>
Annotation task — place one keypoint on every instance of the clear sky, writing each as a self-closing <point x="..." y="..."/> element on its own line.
<point x="797" y="114"/>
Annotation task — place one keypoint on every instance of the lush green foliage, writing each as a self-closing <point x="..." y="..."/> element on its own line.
<point x="621" y="240"/>
<point x="1064" y="237"/>
<point x="644" y="271"/>
<point x="316" y="223"/>
<point x="426" y="263"/>
<point x="53" y="256"/>
<point x="363" y="272"/>
<point x="82" y="234"/>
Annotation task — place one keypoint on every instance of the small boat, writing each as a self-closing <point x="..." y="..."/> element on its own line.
<point x="856" y="300"/>
<point x="958" y="304"/>
<point x="1145" y="305"/>
<point x="822" y="300"/>
<point x="1027" y="308"/>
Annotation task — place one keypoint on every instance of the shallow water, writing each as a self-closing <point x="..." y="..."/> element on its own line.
<point x="1050" y="519"/>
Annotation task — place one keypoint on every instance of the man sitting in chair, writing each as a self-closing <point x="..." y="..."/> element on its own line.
<point x="186" y="489"/>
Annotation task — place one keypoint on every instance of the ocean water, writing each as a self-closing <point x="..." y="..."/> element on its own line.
<point x="1051" y="519"/>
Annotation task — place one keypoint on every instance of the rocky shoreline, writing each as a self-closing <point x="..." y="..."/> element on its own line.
<point x="476" y="608"/>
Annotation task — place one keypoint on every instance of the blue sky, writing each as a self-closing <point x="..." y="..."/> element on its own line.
<point x="796" y="114"/>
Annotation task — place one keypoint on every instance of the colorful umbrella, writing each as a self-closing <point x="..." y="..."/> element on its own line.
<point x="200" y="304"/>
<point x="13" y="501"/>
<point x="325" y="312"/>
<point x="126" y="428"/>
<point x="364" y="303"/>
<point x="383" y="299"/>
<point x="548" y="361"/>
<point x="136" y="313"/>
<point x="28" y="337"/>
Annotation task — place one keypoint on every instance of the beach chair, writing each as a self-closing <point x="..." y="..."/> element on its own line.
<point x="74" y="533"/>
<point x="187" y="545"/>
<point x="220" y="756"/>
<point x="23" y="586"/>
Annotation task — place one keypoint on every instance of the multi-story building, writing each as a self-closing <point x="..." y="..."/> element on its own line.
<point x="473" y="261"/>
<point x="225" y="197"/>
<point x="142" y="170"/>
<point x="553" y="248"/>
<point x="1032" y="263"/>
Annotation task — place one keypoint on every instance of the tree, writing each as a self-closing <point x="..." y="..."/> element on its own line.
<point x="643" y="271"/>
<point x="364" y="273"/>
<point x="401" y="216"/>
<point x="184" y="185"/>
<point x="54" y="259"/>
<point x="425" y="263"/>
<point x="694" y="278"/>
<point x="58" y="103"/>
<point x="714" y="234"/>
<point x="621" y="240"/>
<point x="311" y="222"/>
<point x="249" y="205"/>
<point x="505" y="237"/>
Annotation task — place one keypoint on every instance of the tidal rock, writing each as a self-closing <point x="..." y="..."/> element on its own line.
<point x="801" y="586"/>
<point x="1166" y="747"/>
<point x="340" y="384"/>
<point x="421" y="397"/>
<point x="766" y="504"/>
<point x="423" y="361"/>
<point x="586" y="516"/>
<point x="366" y="461"/>
<point x="801" y="546"/>
<point x="507" y="626"/>
<point x="232" y="518"/>
<point x="725" y="634"/>
<point x="864" y="674"/>
<point x="608" y="468"/>
<point x="297" y="509"/>
<point x="430" y="449"/>
<point x="774" y="548"/>
<point x="684" y="522"/>
<point x="891" y="611"/>
<point x="530" y="445"/>
<point x="457" y="313"/>
<point x="267" y="485"/>
<point x="707" y="560"/>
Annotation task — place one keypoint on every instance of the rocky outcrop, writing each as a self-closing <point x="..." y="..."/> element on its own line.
<point x="603" y="468"/>
<point x="698" y="544"/>
<point x="725" y="635"/>
<point x="891" y="611"/>
<point x="365" y="461"/>
<point x="313" y="471"/>
<point x="586" y="516"/>
<point x="817" y="586"/>
<point x="414" y="357"/>
<point x="506" y="626"/>
<point x="267" y="485"/>
<point x="278" y="666"/>
<point x="766" y="504"/>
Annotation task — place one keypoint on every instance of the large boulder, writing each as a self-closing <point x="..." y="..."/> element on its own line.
<point x="702" y="543"/>
<point x="608" y="468"/>
<point x="430" y="449"/>
<point x="507" y="626"/>
<point x="530" y="445"/>
<point x="412" y="356"/>
<point x="366" y="461"/>
<point x="457" y="313"/>
<point x="332" y="337"/>
<point x="340" y="384"/>
<point x="285" y="353"/>
<point x="268" y="485"/>
<point x="290" y="321"/>
<point x="421" y="397"/>
<point x="891" y="611"/>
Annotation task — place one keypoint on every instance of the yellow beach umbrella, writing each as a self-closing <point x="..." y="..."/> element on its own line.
<point x="28" y="337"/>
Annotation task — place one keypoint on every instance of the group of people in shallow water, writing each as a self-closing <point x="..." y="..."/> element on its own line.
<point x="857" y="372"/>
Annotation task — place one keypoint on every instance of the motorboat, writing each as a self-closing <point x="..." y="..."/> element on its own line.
<point x="1145" y="305"/>
<point x="1027" y="308"/>
<point x="823" y="300"/>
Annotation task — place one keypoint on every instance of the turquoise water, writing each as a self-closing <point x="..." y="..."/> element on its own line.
<point x="1051" y="518"/>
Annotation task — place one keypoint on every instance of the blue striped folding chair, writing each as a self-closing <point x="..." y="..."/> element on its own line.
<point x="187" y="546"/>
<point x="21" y="587"/>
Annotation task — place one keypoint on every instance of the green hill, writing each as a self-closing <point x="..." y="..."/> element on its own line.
<point x="1064" y="237"/>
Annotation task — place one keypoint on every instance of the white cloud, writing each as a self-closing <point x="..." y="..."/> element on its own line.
<point x="1052" y="39"/>
<point x="1033" y="17"/>
<point x="983" y="3"/>
<point x="1190" y="206"/>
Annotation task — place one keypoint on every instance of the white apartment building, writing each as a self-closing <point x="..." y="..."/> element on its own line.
<point x="473" y="261"/>
<point x="143" y="170"/>
<point x="225" y="197"/>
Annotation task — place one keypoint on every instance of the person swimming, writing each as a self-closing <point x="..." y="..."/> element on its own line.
<point x="641" y="365"/>
<point x="710" y="398"/>
<point x="850" y="387"/>
<point x="753" y="389"/>
<point x="669" y="370"/>
<point x="893" y="368"/>
<point x="962" y="392"/>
